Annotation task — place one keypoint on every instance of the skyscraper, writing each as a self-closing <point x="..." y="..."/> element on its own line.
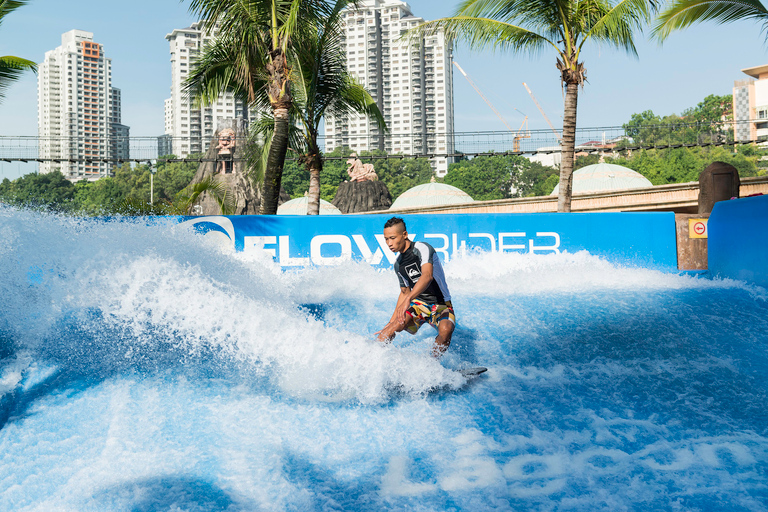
<point x="79" y="113"/>
<point x="190" y="129"/>
<point x="411" y="81"/>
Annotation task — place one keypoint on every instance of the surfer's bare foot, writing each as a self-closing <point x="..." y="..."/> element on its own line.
<point x="439" y="348"/>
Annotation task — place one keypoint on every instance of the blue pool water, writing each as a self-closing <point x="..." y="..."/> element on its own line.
<point x="143" y="369"/>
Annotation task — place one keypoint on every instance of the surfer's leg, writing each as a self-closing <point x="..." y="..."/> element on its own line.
<point x="443" y="339"/>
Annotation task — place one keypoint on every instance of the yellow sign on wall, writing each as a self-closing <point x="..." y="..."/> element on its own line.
<point x="697" y="228"/>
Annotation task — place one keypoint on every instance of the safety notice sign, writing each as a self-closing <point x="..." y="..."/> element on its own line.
<point x="697" y="228"/>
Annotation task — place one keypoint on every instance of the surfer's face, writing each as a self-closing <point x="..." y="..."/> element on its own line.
<point x="396" y="238"/>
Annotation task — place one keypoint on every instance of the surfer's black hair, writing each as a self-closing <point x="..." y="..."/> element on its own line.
<point x="394" y="221"/>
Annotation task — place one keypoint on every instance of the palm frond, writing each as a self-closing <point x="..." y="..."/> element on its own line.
<point x="229" y="63"/>
<point x="616" y="25"/>
<point x="186" y="199"/>
<point x="8" y="6"/>
<point x="11" y="69"/>
<point x="684" y="13"/>
<point x="483" y="34"/>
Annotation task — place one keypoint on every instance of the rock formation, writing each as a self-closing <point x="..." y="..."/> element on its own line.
<point x="362" y="196"/>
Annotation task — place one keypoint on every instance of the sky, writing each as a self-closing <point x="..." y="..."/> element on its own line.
<point x="665" y="79"/>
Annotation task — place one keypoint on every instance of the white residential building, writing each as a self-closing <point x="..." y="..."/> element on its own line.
<point x="79" y="112"/>
<point x="411" y="81"/>
<point x="190" y="129"/>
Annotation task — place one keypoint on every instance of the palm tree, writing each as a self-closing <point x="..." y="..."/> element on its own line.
<point x="256" y="38"/>
<point x="681" y="14"/>
<point x="322" y="86"/>
<point x="565" y="26"/>
<point x="12" y="67"/>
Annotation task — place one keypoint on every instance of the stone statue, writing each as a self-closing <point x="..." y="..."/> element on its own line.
<point x="358" y="171"/>
<point x="225" y="149"/>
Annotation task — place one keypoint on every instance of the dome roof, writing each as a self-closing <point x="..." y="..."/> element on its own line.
<point x="430" y="194"/>
<point x="298" y="206"/>
<point x="605" y="177"/>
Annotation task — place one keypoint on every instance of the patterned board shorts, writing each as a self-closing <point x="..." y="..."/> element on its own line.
<point x="422" y="313"/>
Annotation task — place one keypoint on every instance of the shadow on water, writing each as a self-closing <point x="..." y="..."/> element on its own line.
<point x="679" y="356"/>
<point x="464" y="345"/>
<point x="80" y="353"/>
<point x="170" y="493"/>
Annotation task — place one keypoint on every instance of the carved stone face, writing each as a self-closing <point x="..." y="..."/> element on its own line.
<point x="226" y="140"/>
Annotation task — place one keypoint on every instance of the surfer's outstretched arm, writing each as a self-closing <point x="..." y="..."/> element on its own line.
<point x="395" y="324"/>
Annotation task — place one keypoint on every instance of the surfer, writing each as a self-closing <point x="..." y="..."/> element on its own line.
<point x="424" y="296"/>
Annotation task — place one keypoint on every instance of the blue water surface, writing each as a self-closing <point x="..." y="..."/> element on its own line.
<point x="143" y="369"/>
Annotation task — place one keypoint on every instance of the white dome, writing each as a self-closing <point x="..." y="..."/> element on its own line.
<point x="298" y="206"/>
<point x="430" y="194"/>
<point x="605" y="177"/>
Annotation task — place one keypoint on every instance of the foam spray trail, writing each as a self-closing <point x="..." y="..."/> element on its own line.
<point x="156" y="286"/>
<point x="143" y="370"/>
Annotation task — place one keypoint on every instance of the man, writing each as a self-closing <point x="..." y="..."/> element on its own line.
<point x="424" y="295"/>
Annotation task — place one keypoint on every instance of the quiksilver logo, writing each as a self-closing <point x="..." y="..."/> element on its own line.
<point x="412" y="271"/>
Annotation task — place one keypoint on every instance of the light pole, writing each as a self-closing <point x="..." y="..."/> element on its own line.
<point x="151" y="165"/>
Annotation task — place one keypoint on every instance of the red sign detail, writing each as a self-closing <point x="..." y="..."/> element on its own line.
<point x="699" y="228"/>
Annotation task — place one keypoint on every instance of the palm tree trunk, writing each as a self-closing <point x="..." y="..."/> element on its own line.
<point x="314" y="166"/>
<point x="273" y="175"/>
<point x="567" y="148"/>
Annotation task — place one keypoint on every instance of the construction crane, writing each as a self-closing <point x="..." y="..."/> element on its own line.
<point x="557" y="135"/>
<point x="516" y="135"/>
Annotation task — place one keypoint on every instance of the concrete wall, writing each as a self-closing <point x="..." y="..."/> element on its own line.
<point x="738" y="240"/>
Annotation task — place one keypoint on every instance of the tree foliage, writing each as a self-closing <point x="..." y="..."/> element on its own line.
<point x="683" y="165"/>
<point x="681" y="14"/>
<point x="128" y="186"/>
<point x="501" y="177"/>
<point x="707" y="122"/>
<point x="12" y="67"/>
<point x="398" y="174"/>
<point x="559" y="26"/>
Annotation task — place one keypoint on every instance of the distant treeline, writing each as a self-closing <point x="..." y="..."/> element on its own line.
<point x="104" y="196"/>
<point x="483" y="178"/>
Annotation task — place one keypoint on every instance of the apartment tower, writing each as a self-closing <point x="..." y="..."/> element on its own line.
<point x="79" y="113"/>
<point x="411" y="81"/>
<point x="750" y="105"/>
<point x="189" y="129"/>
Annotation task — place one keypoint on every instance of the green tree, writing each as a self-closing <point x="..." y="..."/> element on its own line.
<point x="251" y="54"/>
<point x="12" y="67"/>
<point x="564" y="26"/>
<point x="682" y="165"/>
<point x="535" y="179"/>
<point x="483" y="177"/>
<point x="500" y="177"/>
<point x="323" y="86"/>
<point x="399" y="174"/>
<point x="172" y="177"/>
<point x="50" y="191"/>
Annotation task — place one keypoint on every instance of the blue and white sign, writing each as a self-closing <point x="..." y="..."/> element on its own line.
<point x="638" y="239"/>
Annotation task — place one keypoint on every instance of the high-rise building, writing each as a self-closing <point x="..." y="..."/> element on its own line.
<point x="79" y="113"/>
<point x="750" y="105"/>
<point x="119" y="133"/>
<point x="190" y="129"/>
<point x="411" y="81"/>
